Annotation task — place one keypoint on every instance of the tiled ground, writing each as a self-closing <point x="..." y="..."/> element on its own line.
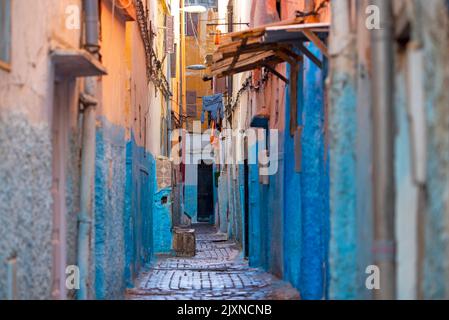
<point x="217" y="272"/>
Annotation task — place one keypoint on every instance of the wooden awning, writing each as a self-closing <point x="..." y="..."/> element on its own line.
<point x="268" y="45"/>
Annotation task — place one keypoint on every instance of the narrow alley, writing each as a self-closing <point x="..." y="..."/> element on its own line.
<point x="224" y="150"/>
<point x="217" y="272"/>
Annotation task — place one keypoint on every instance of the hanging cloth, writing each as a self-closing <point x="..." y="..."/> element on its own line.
<point x="214" y="105"/>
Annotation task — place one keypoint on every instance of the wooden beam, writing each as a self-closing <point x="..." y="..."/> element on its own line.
<point x="298" y="27"/>
<point x="310" y="55"/>
<point x="297" y="145"/>
<point x="287" y="50"/>
<point x="285" y="57"/>
<point x="294" y="99"/>
<point x="237" y="55"/>
<point x="253" y="59"/>
<point x="271" y="61"/>
<point x="262" y="28"/>
<point x="316" y="41"/>
<point x="276" y="73"/>
<point x="250" y="48"/>
<point x="233" y="46"/>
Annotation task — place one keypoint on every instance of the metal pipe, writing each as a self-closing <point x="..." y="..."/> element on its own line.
<point x="85" y="215"/>
<point x="230" y="24"/>
<point x="383" y="155"/>
<point x="183" y="77"/>
<point x="91" y="12"/>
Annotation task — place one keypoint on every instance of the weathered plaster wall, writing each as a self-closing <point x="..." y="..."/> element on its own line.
<point x="191" y="192"/>
<point x="25" y="205"/>
<point x="138" y="213"/>
<point x="223" y="202"/>
<point x="143" y="113"/>
<point x="435" y="37"/>
<point x="364" y="219"/>
<point x="110" y="160"/>
<point x="315" y="182"/>
<point x="406" y="199"/>
<point x="255" y="224"/>
<point x="109" y="207"/>
<point x="342" y="143"/>
<point x="36" y="27"/>
<point x="162" y="221"/>
<point x="292" y="203"/>
<point x="26" y="110"/>
<point x="343" y="258"/>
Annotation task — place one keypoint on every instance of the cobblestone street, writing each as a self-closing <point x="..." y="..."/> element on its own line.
<point x="217" y="272"/>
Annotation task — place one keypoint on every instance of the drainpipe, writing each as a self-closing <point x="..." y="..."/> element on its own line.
<point x="383" y="155"/>
<point x="230" y="30"/>
<point x="89" y="102"/>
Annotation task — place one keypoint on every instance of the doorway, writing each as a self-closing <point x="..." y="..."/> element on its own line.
<point x="246" y="222"/>
<point x="205" y="193"/>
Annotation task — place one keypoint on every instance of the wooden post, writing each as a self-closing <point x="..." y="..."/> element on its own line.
<point x="294" y="99"/>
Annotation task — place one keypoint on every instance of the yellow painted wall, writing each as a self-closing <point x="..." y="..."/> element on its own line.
<point x="113" y="43"/>
<point x="196" y="50"/>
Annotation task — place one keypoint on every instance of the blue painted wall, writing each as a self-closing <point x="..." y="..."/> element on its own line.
<point x="289" y="217"/>
<point x="343" y="186"/>
<point x="138" y="211"/>
<point x="241" y="185"/>
<point x="315" y="183"/>
<point x="292" y="202"/>
<point x="191" y="200"/>
<point x="162" y="221"/>
<point x="255" y="245"/>
<point x="223" y="202"/>
<point x="109" y="206"/>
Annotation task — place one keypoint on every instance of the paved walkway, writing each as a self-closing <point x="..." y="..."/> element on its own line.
<point x="217" y="272"/>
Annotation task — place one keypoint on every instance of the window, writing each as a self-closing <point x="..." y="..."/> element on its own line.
<point x="192" y="20"/>
<point x="279" y="9"/>
<point x="5" y="34"/>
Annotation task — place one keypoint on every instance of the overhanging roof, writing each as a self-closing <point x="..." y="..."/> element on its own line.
<point x="268" y="45"/>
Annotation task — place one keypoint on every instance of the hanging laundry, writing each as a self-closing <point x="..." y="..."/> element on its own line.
<point x="213" y="105"/>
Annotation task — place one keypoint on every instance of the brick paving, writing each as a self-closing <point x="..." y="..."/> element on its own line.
<point x="217" y="272"/>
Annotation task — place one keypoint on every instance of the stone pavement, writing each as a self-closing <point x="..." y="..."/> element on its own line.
<point x="217" y="272"/>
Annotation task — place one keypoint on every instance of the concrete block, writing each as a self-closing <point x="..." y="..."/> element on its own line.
<point x="184" y="242"/>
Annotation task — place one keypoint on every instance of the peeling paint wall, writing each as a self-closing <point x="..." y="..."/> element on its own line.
<point x="435" y="41"/>
<point x="288" y="234"/>
<point x="162" y="221"/>
<point x="128" y="137"/>
<point x="109" y="239"/>
<point x="109" y="208"/>
<point x="138" y="214"/>
<point x="343" y="135"/>
<point x="25" y="205"/>
<point x="26" y="111"/>
<point x="314" y="182"/>
<point x="191" y="192"/>
<point x="421" y="209"/>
